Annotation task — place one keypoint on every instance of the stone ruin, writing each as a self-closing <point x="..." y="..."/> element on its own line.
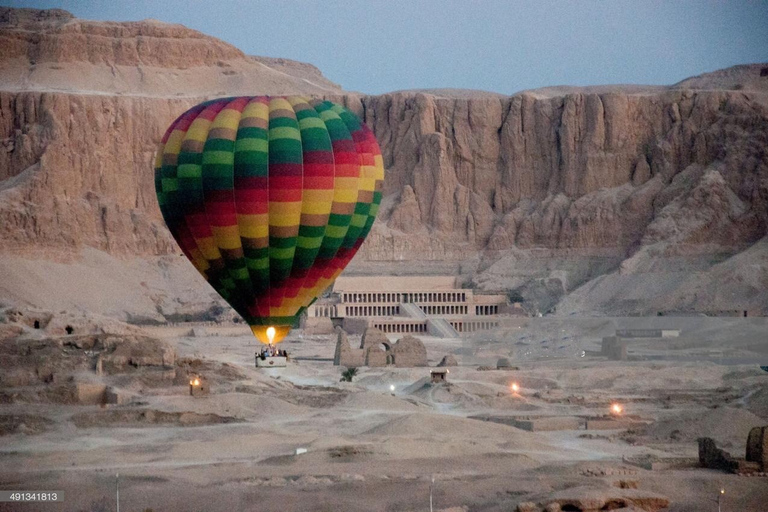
<point x="345" y="355"/>
<point x="83" y="359"/>
<point x="446" y="361"/>
<point x="757" y="447"/>
<point x="596" y="499"/>
<point x="376" y="347"/>
<point x="712" y="457"/>
<point x="505" y="363"/>
<point x="755" y="462"/>
<point x="614" y="348"/>
<point x="376" y="351"/>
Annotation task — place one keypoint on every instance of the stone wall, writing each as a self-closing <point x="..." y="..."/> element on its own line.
<point x="345" y="355"/>
<point x="757" y="447"/>
<point x="712" y="457"/>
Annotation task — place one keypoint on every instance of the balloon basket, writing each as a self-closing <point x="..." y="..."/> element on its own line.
<point x="271" y="362"/>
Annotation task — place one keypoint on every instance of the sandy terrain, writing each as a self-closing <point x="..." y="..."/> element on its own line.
<point x="372" y="449"/>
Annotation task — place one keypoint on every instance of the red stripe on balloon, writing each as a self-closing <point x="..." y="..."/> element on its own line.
<point x="319" y="157"/>
<point x="285" y="195"/>
<point x="318" y="182"/>
<point x="252" y="182"/>
<point x="283" y="182"/>
<point x="285" y="170"/>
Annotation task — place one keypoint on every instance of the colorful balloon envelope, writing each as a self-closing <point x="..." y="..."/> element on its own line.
<point x="269" y="198"/>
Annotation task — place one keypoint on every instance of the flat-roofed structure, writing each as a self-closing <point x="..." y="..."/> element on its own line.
<point x="413" y="304"/>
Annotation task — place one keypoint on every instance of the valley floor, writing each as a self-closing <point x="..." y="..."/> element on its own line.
<point x="373" y="449"/>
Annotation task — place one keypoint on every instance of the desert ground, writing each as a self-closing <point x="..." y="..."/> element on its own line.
<point x="372" y="448"/>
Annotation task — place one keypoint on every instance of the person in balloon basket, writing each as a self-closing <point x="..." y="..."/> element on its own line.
<point x="271" y="351"/>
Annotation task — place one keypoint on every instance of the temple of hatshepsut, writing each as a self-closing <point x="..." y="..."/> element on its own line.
<point x="437" y="306"/>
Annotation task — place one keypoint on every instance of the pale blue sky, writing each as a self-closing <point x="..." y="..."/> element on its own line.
<point x="377" y="46"/>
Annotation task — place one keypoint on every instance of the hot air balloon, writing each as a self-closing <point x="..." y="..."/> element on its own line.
<point x="269" y="198"/>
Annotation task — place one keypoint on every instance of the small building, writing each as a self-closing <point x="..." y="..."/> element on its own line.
<point x="198" y="386"/>
<point x="439" y="376"/>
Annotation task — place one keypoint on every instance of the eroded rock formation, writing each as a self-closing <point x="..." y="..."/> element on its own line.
<point x="572" y="197"/>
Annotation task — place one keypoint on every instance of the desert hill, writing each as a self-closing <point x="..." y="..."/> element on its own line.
<point x="51" y="50"/>
<point x="746" y="77"/>
<point x="613" y="199"/>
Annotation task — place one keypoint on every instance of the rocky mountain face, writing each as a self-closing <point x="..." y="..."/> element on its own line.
<point x="566" y="188"/>
<point x="625" y="200"/>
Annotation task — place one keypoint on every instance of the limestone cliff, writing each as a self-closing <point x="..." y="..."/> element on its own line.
<point x="602" y="199"/>
<point x="578" y="171"/>
<point x="563" y="188"/>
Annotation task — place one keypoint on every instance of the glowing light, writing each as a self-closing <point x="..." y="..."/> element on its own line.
<point x="197" y="382"/>
<point x="617" y="409"/>
<point x="515" y="387"/>
<point x="392" y="387"/>
<point x="271" y="334"/>
<point x="722" y="491"/>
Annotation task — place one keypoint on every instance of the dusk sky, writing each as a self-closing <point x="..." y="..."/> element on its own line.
<point x="503" y="46"/>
